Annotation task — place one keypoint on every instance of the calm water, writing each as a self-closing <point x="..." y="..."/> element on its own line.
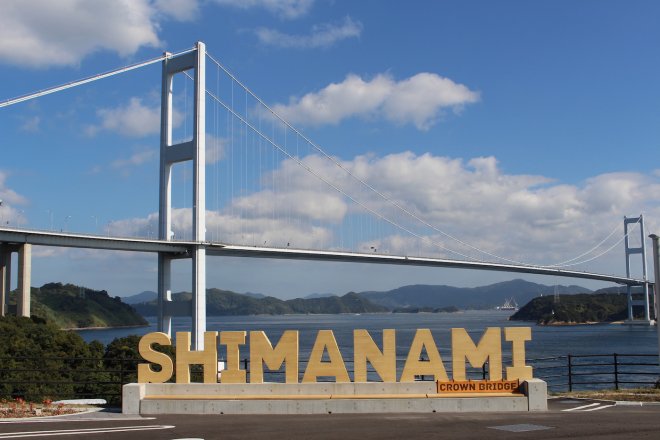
<point x="546" y="344"/>
<point x="546" y="341"/>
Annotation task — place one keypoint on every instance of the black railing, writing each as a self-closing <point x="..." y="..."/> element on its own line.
<point x="597" y="371"/>
<point x="51" y="378"/>
<point x="36" y="379"/>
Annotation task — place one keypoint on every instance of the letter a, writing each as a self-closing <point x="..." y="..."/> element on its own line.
<point x="325" y="340"/>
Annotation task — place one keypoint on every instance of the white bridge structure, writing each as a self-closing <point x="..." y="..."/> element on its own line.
<point x="195" y="244"/>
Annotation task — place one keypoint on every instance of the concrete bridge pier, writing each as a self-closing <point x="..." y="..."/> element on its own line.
<point x="24" y="252"/>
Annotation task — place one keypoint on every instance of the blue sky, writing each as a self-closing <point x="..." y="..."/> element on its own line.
<point x="527" y="129"/>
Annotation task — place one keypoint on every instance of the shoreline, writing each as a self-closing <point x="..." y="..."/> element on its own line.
<point x="73" y="329"/>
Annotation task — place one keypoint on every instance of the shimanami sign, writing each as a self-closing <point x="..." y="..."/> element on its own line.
<point x="365" y="350"/>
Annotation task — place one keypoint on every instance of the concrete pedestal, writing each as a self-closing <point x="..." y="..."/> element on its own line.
<point x="320" y="398"/>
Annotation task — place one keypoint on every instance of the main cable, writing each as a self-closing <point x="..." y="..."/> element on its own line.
<point x="92" y="78"/>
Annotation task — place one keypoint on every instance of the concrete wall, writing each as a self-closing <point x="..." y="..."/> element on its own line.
<point x="319" y="398"/>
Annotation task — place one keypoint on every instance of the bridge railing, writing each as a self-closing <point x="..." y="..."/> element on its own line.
<point x="597" y="371"/>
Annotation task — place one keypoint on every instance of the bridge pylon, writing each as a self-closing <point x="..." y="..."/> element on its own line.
<point x="192" y="150"/>
<point x="641" y="250"/>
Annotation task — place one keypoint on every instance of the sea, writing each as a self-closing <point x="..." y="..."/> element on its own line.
<point x="548" y="351"/>
<point x="547" y="341"/>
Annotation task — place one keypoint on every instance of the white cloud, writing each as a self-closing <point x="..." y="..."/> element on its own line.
<point x="521" y="217"/>
<point x="288" y="9"/>
<point x="61" y="33"/>
<point x="134" y="119"/>
<point x="136" y="159"/>
<point x="525" y="217"/>
<point x="8" y="195"/>
<point x="215" y="149"/>
<point x="31" y="125"/>
<point x="9" y="199"/>
<point x="182" y="10"/>
<point x="322" y="35"/>
<point x="419" y="100"/>
<point x="229" y="227"/>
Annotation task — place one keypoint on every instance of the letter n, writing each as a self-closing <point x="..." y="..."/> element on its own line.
<point x="365" y="349"/>
<point x="262" y="352"/>
<point x="489" y="348"/>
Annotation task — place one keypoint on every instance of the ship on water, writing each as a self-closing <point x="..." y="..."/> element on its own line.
<point x="509" y="304"/>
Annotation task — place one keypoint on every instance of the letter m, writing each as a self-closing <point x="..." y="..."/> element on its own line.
<point x="262" y="352"/>
<point x="489" y="348"/>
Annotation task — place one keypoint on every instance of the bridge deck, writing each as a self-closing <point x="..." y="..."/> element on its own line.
<point x="66" y="239"/>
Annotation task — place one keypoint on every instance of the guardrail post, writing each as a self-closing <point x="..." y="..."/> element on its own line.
<point x="570" y="373"/>
<point x="616" y="372"/>
<point x="121" y="378"/>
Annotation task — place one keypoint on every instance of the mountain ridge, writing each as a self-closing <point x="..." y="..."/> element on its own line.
<point x="224" y="302"/>
<point x="71" y="306"/>
<point x="482" y="297"/>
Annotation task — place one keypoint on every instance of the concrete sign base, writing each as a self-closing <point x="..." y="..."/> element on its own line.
<point x="322" y="398"/>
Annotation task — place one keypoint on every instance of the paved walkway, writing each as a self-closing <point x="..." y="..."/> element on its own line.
<point x="567" y="418"/>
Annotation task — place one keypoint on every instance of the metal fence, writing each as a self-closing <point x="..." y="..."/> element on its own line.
<point x="71" y="378"/>
<point x="37" y="379"/>
<point x="597" y="371"/>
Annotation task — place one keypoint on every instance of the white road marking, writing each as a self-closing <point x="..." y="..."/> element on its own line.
<point x="581" y="407"/>
<point x="599" y="408"/>
<point x="86" y="431"/>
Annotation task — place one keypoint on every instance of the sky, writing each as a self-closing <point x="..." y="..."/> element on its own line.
<point x="522" y="130"/>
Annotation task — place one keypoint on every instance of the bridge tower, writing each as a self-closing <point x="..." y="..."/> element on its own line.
<point x="193" y="150"/>
<point x="630" y="251"/>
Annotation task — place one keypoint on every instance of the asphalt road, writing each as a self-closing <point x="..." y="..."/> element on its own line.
<point x="571" y="419"/>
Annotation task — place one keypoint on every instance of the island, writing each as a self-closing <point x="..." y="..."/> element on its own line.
<point x="69" y="306"/>
<point x="574" y="309"/>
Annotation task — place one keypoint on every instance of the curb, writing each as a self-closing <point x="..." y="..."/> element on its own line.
<point x="635" y="403"/>
<point x="34" y="418"/>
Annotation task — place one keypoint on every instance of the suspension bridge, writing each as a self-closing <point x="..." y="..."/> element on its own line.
<point x="276" y="194"/>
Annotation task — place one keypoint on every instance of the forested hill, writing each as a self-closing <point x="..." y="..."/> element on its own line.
<point x="71" y="306"/>
<point x="575" y="309"/>
<point x="483" y="297"/>
<point x="224" y="302"/>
